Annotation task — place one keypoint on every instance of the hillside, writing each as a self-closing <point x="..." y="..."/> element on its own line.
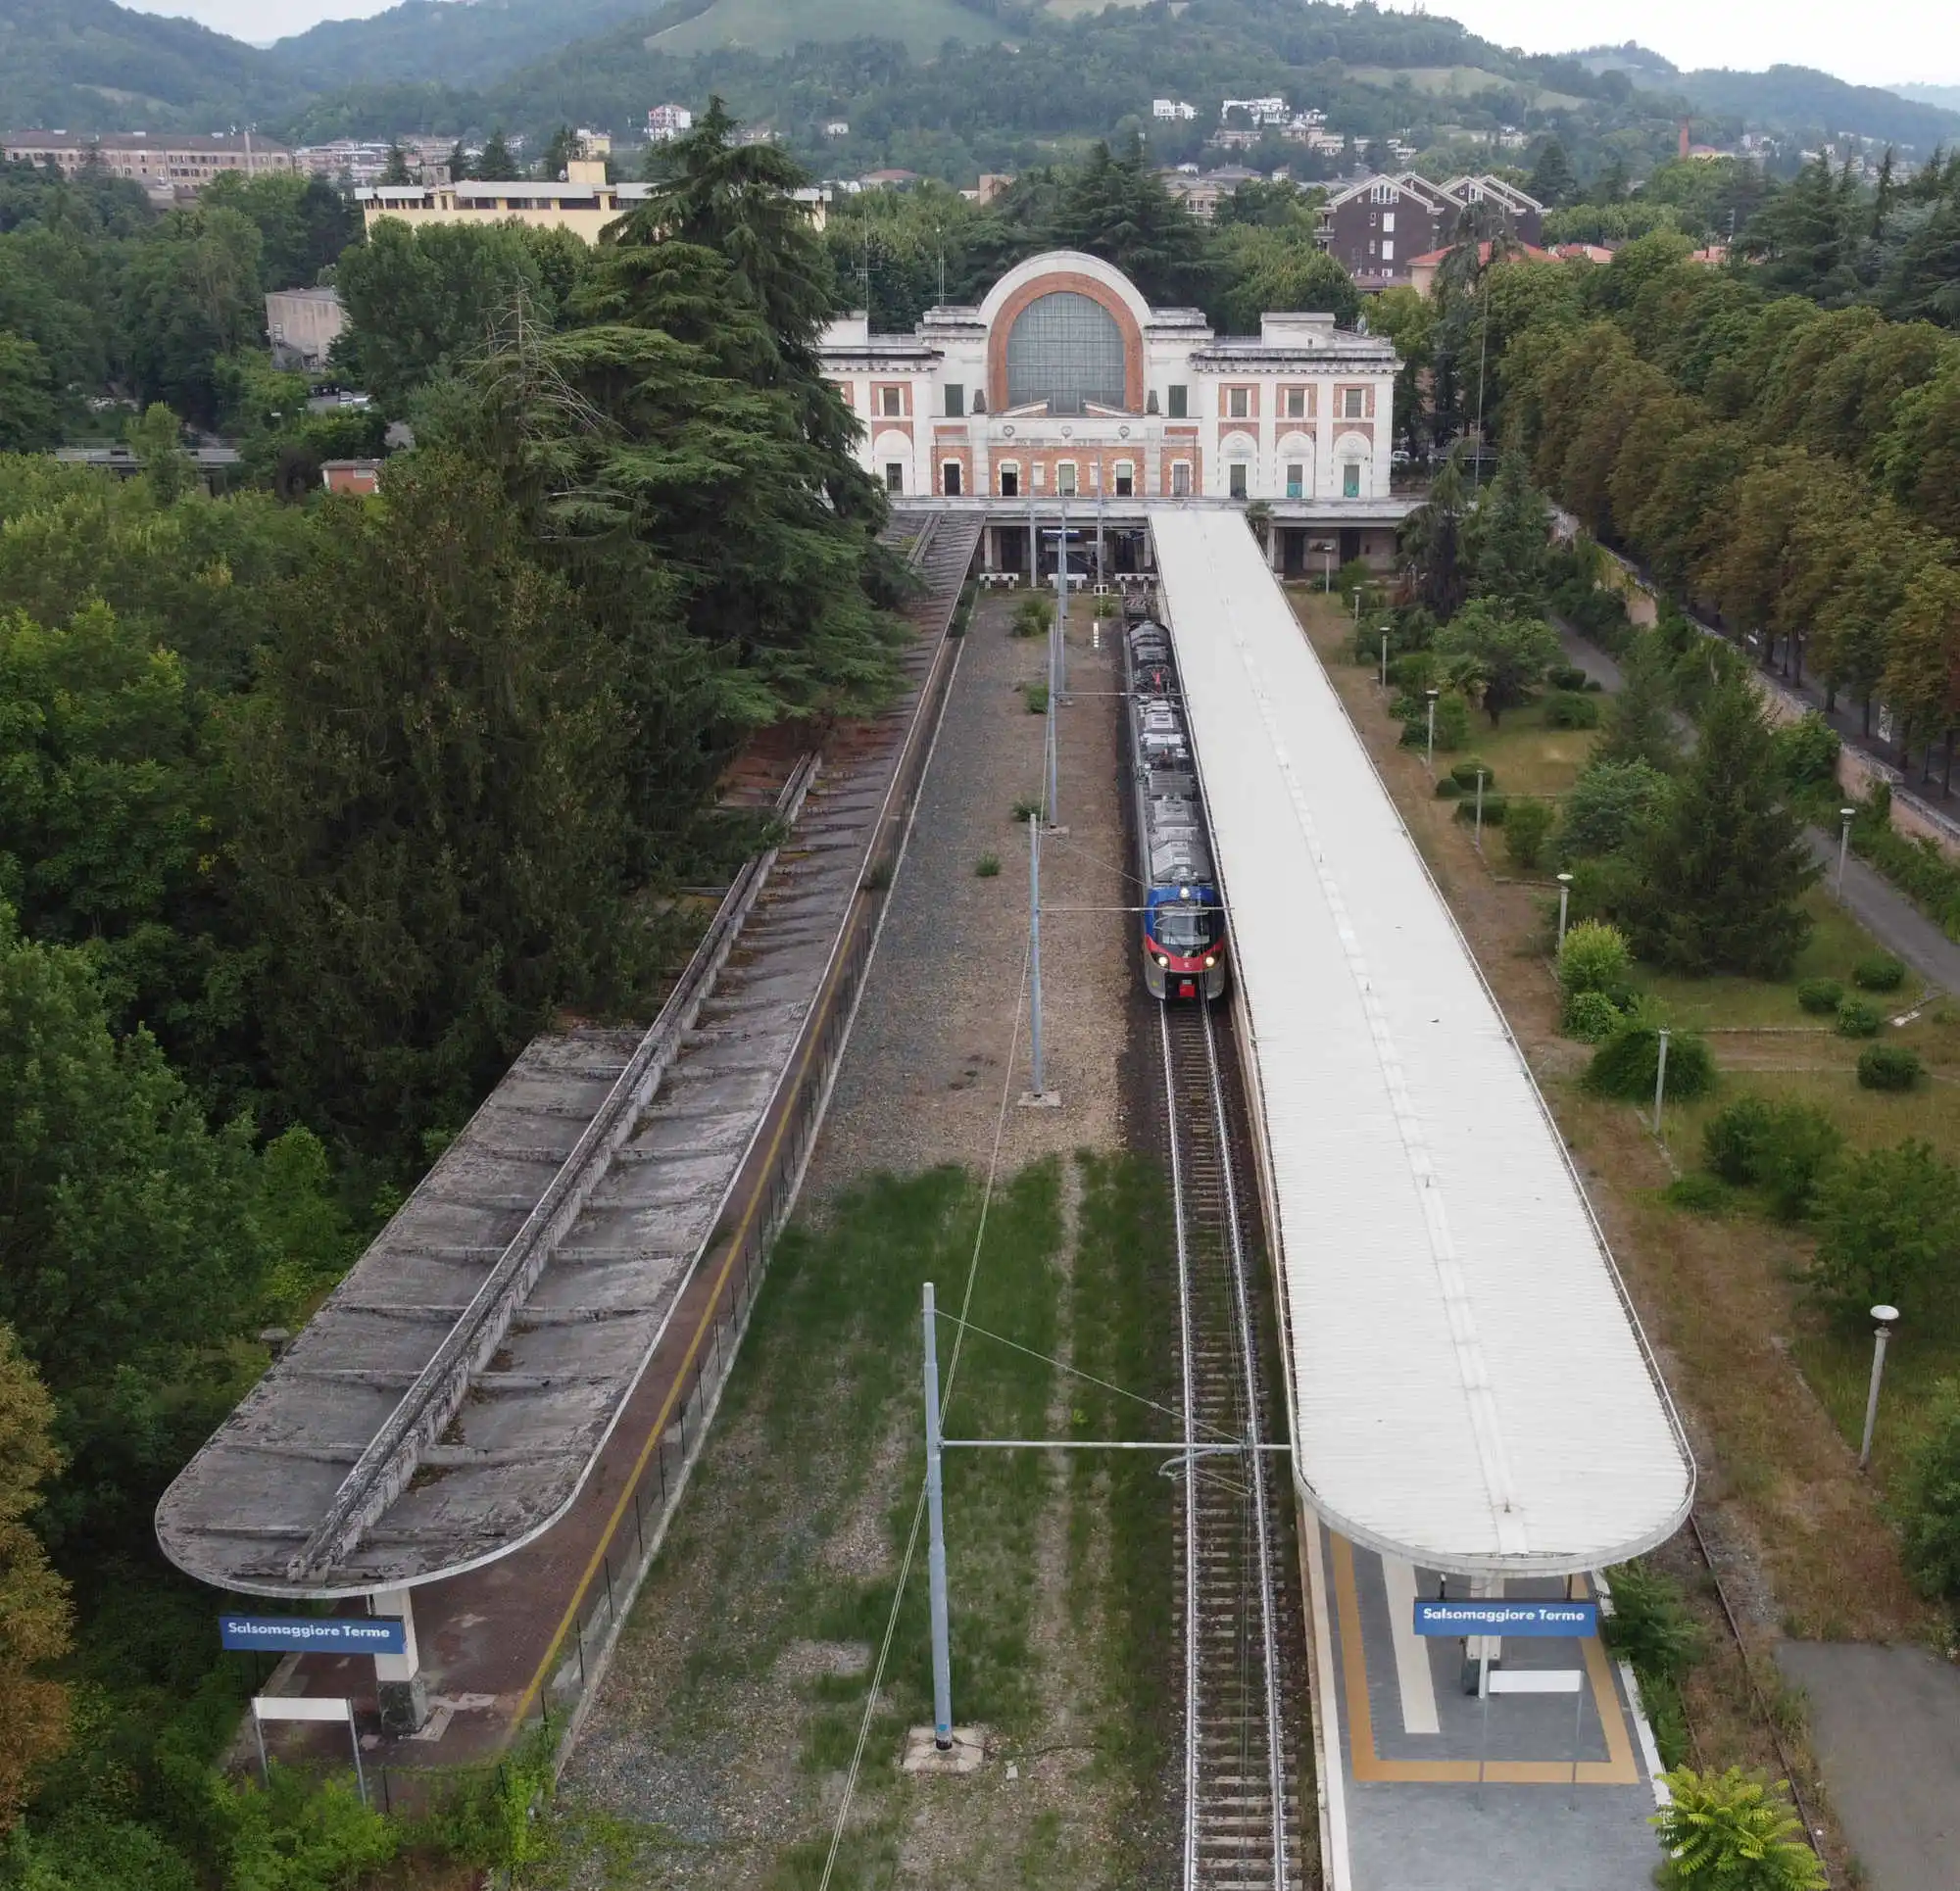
<point x="1798" y="99"/>
<point x="87" y="65"/>
<point x="922" y="27"/>
<point x="440" y="42"/>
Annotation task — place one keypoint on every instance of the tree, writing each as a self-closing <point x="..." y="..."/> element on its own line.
<point x="1922" y="677"/>
<point x="559" y="151"/>
<point x="1432" y="539"/>
<point x="1611" y="805"/>
<point x="1638" y="725"/>
<point x="1117" y="208"/>
<point x="1930" y="1503"/>
<point x="1509" y="540"/>
<point x="458" y="165"/>
<point x="497" y="162"/>
<point x="1888" y="1234"/>
<point x="1732" y="1831"/>
<point x="34" y="1612"/>
<point x="304" y="223"/>
<point x="1510" y="654"/>
<point x="1723" y="872"/>
<point x="157" y="440"/>
<point x="432" y="850"/>
<point x="1263" y="269"/>
<point x="187" y="297"/>
<point x="395" y="170"/>
<point x="1553" y="180"/>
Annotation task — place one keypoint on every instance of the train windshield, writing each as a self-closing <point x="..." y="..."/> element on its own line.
<point x="1184" y="930"/>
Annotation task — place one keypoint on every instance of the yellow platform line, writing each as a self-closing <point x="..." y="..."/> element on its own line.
<point x="1618" y="1768"/>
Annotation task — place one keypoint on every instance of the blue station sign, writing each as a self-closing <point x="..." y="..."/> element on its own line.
<point x="1505" y="1615"/>
<point x="315" y="1635"/>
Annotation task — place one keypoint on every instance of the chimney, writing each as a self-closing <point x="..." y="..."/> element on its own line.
<point x="1683" y="137"/>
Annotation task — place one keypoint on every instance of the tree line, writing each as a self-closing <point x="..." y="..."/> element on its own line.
<point x="309" y="818"/>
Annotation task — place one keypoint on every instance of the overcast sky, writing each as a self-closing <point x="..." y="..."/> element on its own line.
<point x="1877" y="43"/>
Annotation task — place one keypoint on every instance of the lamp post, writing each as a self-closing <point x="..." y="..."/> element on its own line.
<point x="1845" y="816"/>
<point x="1429" y="747"/>
<point x="1479" y="841"/>
<point x="1385" y="659"/>
<point x="1886" y="1318"/>
<point x="1660" y="1078"/>
<point x="1356" y="595"/>
<point x="1564" y="896"/>
<point x="1327" y="575"/>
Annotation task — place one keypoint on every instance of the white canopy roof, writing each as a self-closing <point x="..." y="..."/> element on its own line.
<point x="1470" y="1387"/>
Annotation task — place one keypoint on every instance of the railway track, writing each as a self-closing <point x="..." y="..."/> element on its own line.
<point x="1243" y="1641"/>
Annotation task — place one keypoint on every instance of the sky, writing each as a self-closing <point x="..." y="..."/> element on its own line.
<point x="1895" y="41"/>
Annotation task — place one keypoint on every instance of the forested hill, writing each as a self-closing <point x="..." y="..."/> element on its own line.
<point x="1797" y="96"/>
<point x="90" y="65"/>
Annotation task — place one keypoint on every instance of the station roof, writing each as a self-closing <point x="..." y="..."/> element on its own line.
<point x="1469" y="1386"/>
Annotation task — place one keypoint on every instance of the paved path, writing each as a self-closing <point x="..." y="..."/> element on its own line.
<point x="1887" y="1722"/>
<point x="1872" y="899"/>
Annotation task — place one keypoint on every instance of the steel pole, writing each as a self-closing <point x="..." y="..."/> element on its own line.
<point x="1479" y="810"/>
<point x="1039" y="1086"/>
<point x="1564" y="896"/>
<point x="1059" y="681"/>
<point x="1385" y="659"/>
<point x="935" y="1556"/>
<point x="1429" y="745"/>
<point x="1844" y="819"/>
<point x="1660" y="1078"/>
<point x="1878" y="1340"/>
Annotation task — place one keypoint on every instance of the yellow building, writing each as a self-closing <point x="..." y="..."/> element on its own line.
<point x="584" y="203"/>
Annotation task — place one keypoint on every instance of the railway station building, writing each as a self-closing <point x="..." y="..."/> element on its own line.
<point x="1064" y="386"/>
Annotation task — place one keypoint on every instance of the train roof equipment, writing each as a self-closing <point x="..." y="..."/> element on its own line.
<point x="1469" y="1386"/>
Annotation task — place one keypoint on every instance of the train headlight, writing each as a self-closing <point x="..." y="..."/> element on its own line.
<point x="1209" y="963"/>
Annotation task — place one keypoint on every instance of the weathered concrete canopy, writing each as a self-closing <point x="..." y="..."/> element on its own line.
<point x="447" y="1402"/>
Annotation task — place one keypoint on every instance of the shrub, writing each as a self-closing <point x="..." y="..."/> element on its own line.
<point x="1031" y="618"/>
<point x="1035" y="694"/>
<point x="1798" y="1149"/>
<point x="1856" y="1018"/>
<point x="1627" y="1063"/>
<point x="1413" y="672"/>
<point x="1564" y="710"/>
<point x="1565" y="676"/>
<point x="1528" y="831"/>
<point x="1448" y="788"/>
<point x="1732" y="1140"/>
<point x="1610" y="805"/>
<point x="1592" y="1017"/>
<point x="1806" y="751"/>
<point x="1650" y="1625"/>
<point x="1453" y="720"/>
<point x="1888" y="1067"/>
<point x="1494" y="807"/>
<point x="1028" y="808"/>
<point x="1465" y="773"/>
<point x="1595" y="957"/>
<point x="1698" y="1193"/>
<point x="1889" y="1232"/>
<point x="1820" y="996"/>
<point x="1929" y="1507"/>
<point x="1732" y="1829"/>
<point x="987" y="867"/>
<point x="1878" y="972"/>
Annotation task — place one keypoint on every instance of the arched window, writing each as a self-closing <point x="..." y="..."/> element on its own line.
<point x="1065" y="349"/>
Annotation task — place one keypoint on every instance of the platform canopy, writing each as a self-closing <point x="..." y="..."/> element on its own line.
<point x="1470" y="1387"/>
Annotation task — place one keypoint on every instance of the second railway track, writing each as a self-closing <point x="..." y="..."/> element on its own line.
<point x="1244" y="1641"/>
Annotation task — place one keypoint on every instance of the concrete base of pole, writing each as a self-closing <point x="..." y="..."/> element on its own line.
<point x="967" y="1754"/>
<point x="404" y="1706"/>
<point x="1039" y="1100"/>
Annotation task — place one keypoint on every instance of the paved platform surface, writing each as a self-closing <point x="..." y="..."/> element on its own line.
<point x="1886" y="1725"/>
<point x="1412" y="1744"/>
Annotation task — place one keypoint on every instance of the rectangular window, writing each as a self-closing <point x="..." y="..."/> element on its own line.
<point x="1296" y="404"/>
<point x="1180" y="479"/>
<point x="1351" y="481"/>
<point x="1388" y="251"/>
<point x="1238" y="403"/>
<point x="892" y="403"/>
<point x="1236" y="475"/>
<point x="948" y="479"/>
<point x="955" y="401"/>
<point x="1126" y="480"/>
<point x="1175" y="404"/>
<point x="1388" y="220"/>
<point x="1065" y="480"/>
<point x="1010" y="482"/>
<point x="894" y="476"/>
<point x="1296" y="479"/>
<point x="1353" y="402"/>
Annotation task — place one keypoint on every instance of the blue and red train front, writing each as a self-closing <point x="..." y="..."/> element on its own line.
<point x="1184" y="943"/>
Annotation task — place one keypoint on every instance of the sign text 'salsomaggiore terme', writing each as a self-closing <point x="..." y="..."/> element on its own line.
<point x="315" y="1635"/>
<point x="1503" y="1616"/>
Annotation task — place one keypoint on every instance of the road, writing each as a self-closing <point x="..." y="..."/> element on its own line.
<point x="1873" y="900"/>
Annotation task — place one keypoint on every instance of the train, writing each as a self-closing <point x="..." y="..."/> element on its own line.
<point x="1183" y="943"/>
